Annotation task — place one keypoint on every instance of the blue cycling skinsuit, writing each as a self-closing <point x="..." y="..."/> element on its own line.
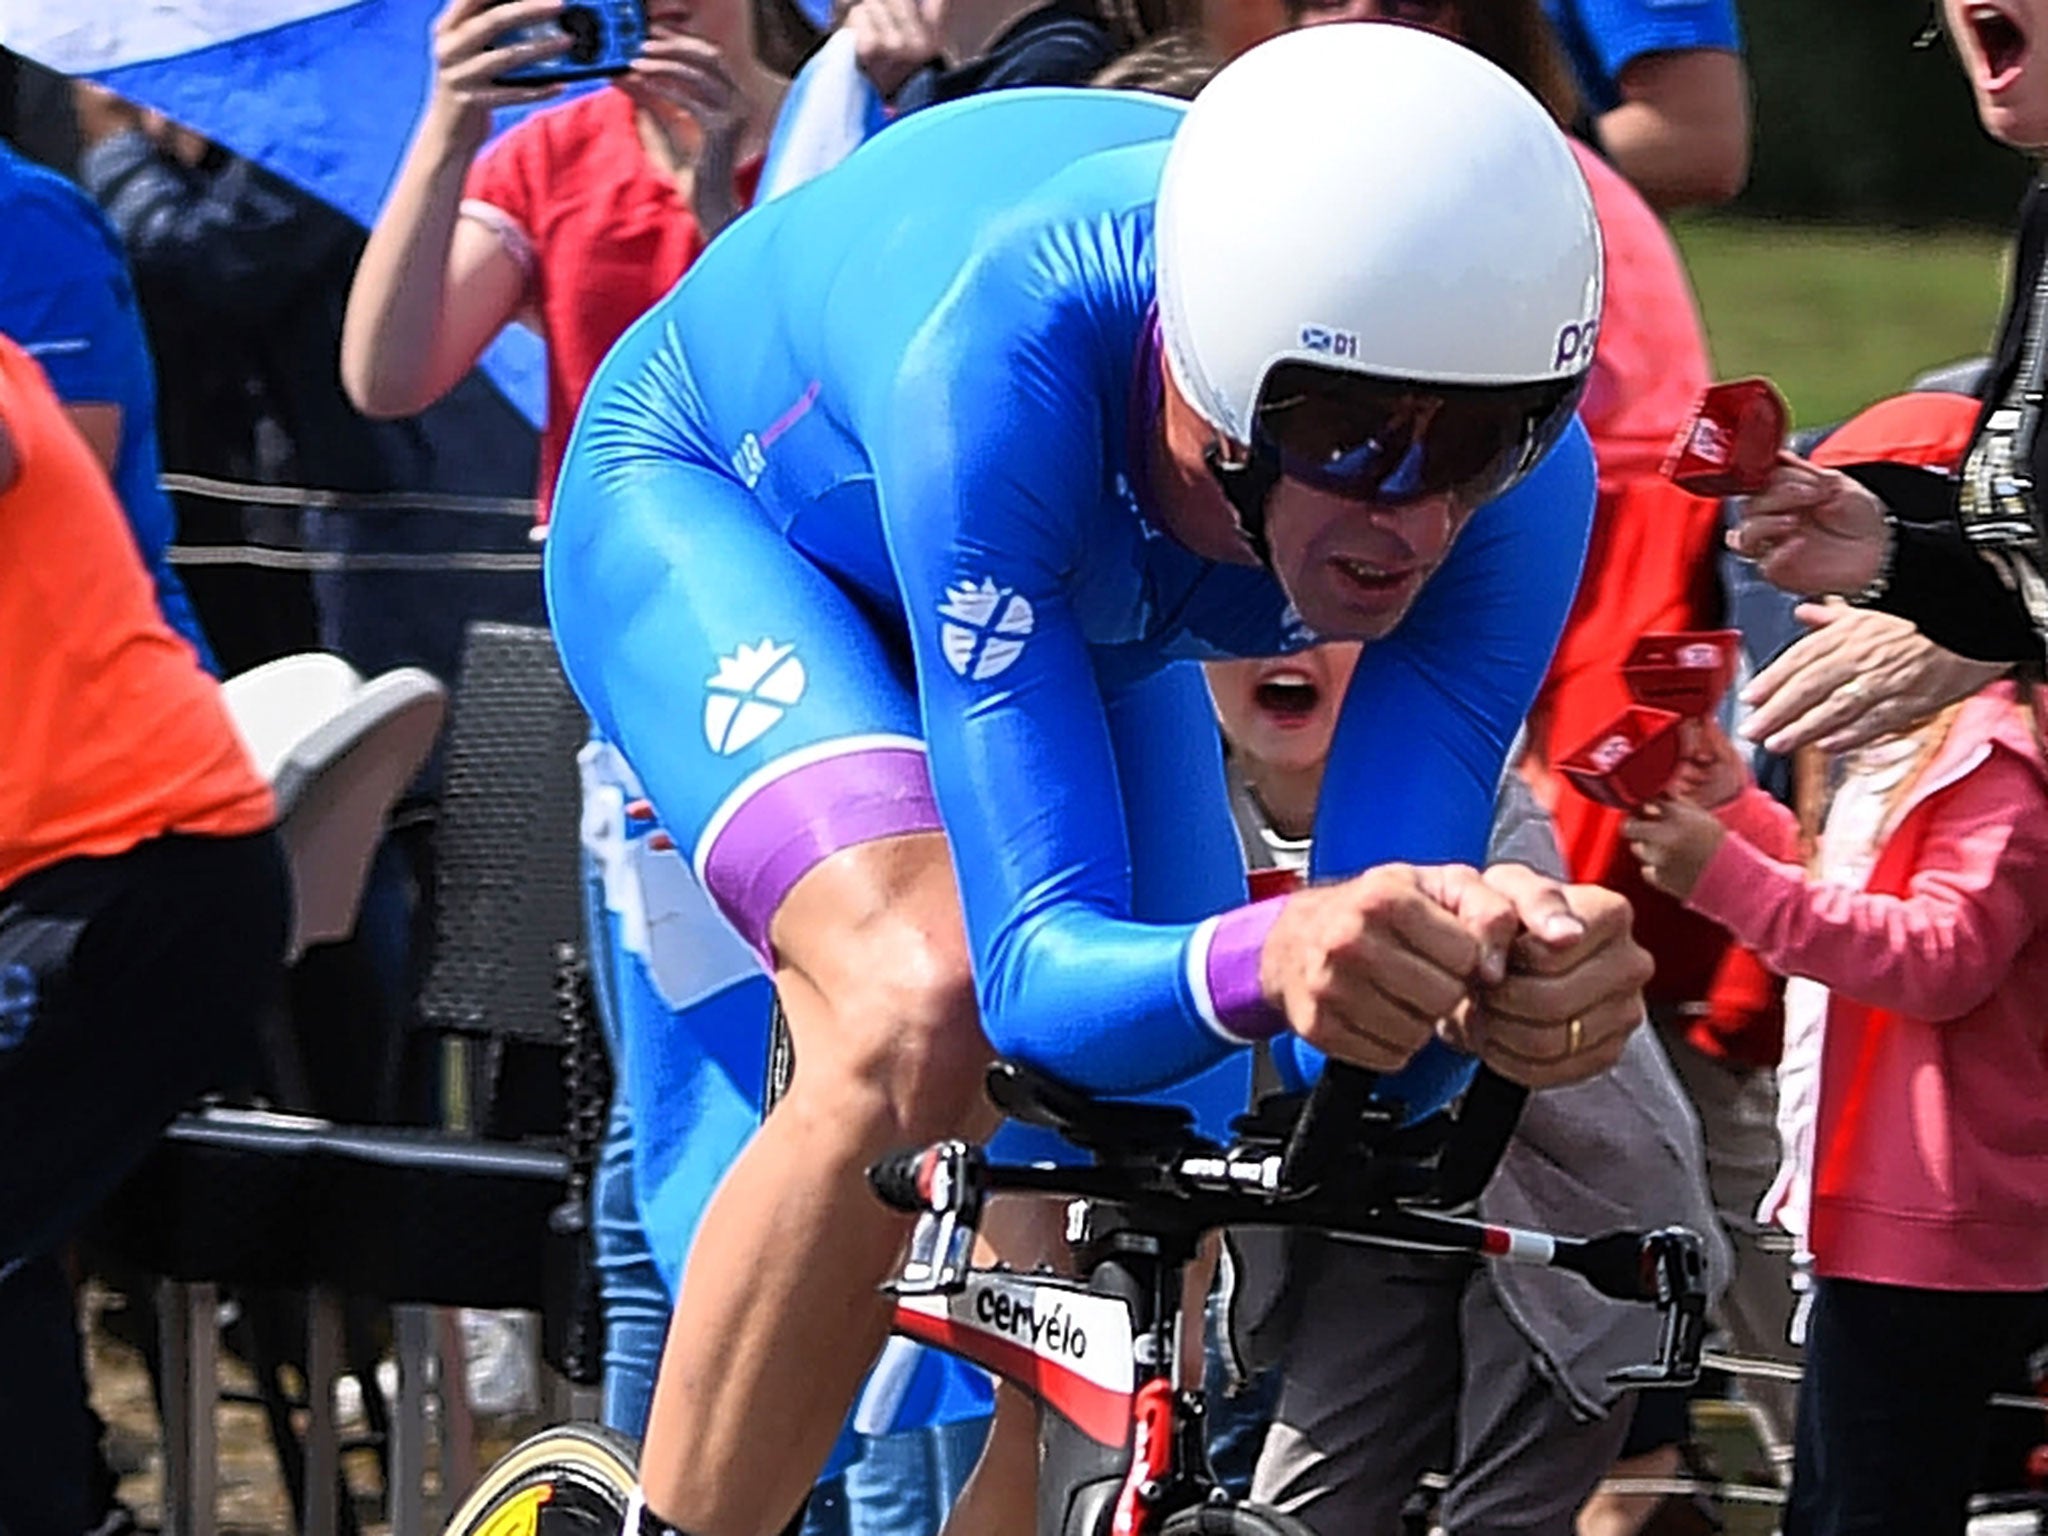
<point x="854" y="540"/>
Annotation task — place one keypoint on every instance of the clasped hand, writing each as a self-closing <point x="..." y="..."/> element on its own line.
<point x="1542" y="981"/>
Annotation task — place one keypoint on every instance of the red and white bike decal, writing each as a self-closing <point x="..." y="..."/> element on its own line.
<point x="1065" y="1346"/>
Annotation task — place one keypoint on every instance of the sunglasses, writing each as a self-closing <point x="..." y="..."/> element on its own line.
<point x="1396" y="441"/>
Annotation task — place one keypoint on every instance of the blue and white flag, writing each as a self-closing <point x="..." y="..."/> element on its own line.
<point x="322" y="92"/>
<point x="831" y="110"/>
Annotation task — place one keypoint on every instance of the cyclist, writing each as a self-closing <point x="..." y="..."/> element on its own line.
<point x="881" y="590"/>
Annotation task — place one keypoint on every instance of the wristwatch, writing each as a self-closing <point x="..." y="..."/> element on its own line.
<point x="1873" y="591"/>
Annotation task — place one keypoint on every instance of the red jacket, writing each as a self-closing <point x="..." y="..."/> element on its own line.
<point x="1650" y="567"/>
<point x="1931" y="1148"/>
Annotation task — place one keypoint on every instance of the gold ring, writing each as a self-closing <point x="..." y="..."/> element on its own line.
<point x="1574" y="1036"/>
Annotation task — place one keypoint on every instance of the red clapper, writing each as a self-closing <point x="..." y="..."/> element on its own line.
<point x="1684" y="671"/>
<point x="1628" y="764"/>
<point x="1731" y="442"/>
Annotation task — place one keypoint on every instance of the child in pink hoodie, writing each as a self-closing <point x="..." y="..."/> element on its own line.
<point x="1927" y="1214"/>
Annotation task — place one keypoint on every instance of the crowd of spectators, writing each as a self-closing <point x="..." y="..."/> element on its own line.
<point x="180" y="309"/>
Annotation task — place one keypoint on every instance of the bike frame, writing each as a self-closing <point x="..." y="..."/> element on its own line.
<point x="1123" y="1448"/>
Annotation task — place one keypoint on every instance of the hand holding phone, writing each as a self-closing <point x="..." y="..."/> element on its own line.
<point x="476" y="42"/>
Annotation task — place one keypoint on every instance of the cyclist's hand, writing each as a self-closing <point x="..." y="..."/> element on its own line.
<point x="1577" y="960"/>
<point x="468" y="58"/>
<point x="1365" y="969"/>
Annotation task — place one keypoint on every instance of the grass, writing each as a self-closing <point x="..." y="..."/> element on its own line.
<point x="1839" y="317"/>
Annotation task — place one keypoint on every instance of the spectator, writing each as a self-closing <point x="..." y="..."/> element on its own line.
<point x="1649" y="567"/>
<point x="1957" y="555"/>
<point x="1667" y="96"/>
<point x="143" y="909"/>
<point x="65" y="296"/>
<point x="1177" y="62"/>
<point x="243" y="279"/>
<point x="1921" y="1189"/>
<point x="1392" y="1365"/>
<point x="918" y="54"/>
<point x="575" y="221"/>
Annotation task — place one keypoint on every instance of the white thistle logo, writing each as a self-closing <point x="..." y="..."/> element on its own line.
<point x="985" y="628"/>
<point x="750" y="692"/>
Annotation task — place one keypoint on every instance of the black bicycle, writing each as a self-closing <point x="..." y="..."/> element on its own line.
<point x="1123" y="1445"/>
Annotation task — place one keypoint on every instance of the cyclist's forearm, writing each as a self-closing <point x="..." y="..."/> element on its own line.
<point x="1122" y="1007"/>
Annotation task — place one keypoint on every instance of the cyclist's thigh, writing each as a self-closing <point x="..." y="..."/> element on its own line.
<point x="1368" y="1386"/>
<point x="1525" y="1461"/>
<point x="768" y="720"/>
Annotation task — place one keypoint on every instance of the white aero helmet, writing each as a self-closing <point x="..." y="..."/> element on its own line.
<point x="1378" y="267"/>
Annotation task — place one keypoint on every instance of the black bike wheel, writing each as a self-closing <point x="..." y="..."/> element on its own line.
<point x="1234" y="1520"/>
<point x="572" y="1480"/>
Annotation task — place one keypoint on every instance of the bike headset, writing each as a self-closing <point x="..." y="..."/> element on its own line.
<point x="1379" y="271"/>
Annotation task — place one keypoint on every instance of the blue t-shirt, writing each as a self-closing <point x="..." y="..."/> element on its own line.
<point x="67" y="299"/>
<point x="1602" y="37"/>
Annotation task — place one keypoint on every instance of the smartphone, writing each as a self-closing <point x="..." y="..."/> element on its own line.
<point x="604" y="37"/>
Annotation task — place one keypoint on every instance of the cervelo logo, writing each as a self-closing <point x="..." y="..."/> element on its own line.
<point x="1051" y="1332"/>
<point x="1576" y="341"/>
<point x="751" y="690"/>
<point x="1329" y="341"/>
<point x="984" y="628"/>
<point x="1056" y="1321"/>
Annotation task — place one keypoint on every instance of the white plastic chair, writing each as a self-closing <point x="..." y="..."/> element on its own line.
<point x="338" y="751"/>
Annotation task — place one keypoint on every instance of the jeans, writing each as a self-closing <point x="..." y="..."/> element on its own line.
<point x="1892" y="1411"/>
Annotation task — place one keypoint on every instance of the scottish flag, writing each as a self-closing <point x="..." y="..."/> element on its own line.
<point x="323" y="92"/>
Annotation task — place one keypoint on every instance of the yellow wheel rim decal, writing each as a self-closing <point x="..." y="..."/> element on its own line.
<point x="521" y="1517"/>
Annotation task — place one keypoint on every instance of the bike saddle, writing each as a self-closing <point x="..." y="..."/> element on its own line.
<point x="1114" y="1128"/>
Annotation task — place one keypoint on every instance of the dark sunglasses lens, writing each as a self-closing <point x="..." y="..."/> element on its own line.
<point x="1393" y="441"/>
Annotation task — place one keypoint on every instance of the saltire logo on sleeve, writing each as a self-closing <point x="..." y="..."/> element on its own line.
<point x="984" y="628"/>
<point x="751" y="690"/>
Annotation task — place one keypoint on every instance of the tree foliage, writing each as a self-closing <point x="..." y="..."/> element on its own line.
<point x="1855" y="123"/>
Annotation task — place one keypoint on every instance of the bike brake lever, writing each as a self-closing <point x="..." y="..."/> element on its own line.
<point x="946" y="1184"/>
<point x="1672" y="1273"/>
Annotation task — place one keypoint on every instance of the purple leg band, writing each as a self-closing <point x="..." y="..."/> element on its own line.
<point x="784" y="828"/>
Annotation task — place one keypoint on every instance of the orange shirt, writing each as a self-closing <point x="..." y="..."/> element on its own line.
<point x="110" y="733"/>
